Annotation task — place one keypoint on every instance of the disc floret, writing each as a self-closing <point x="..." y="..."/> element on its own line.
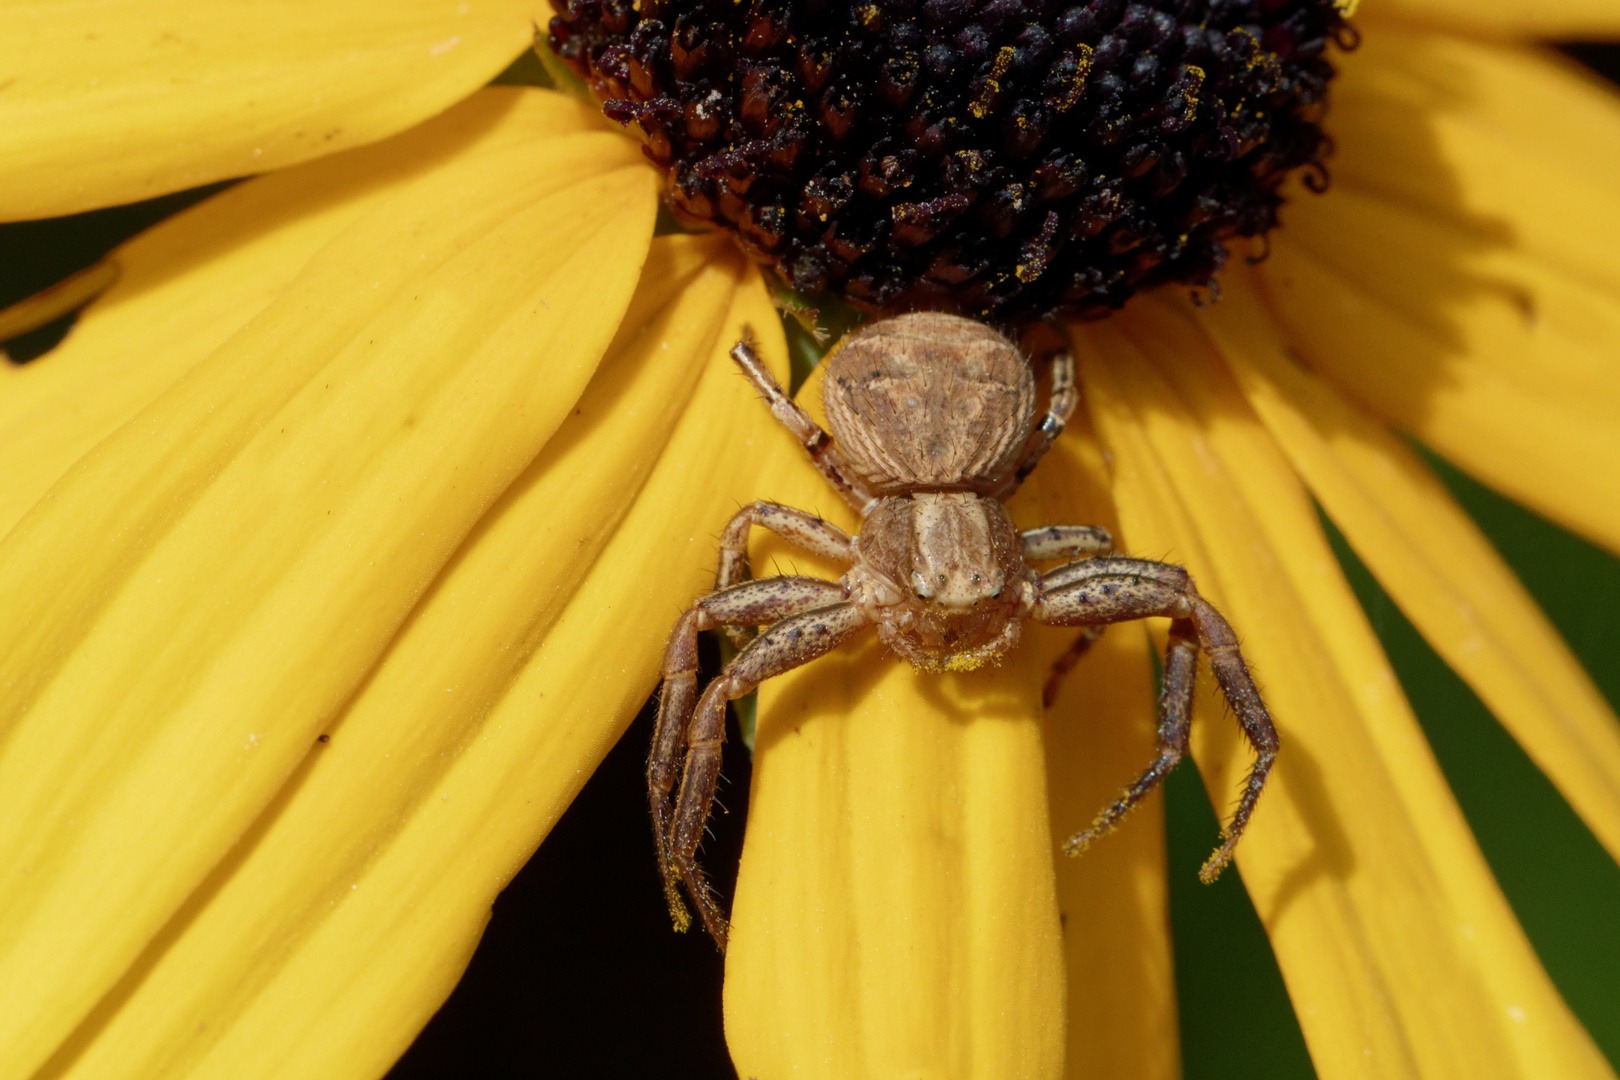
<point x="1006" y="160"/>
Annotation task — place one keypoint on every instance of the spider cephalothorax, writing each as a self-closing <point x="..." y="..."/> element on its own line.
<point x="933" y="420"/>
<point x="942" y="576"/>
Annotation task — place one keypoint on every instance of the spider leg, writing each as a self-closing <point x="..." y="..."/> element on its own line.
<point x="1220" y="644"/>
<point x="1175" y="715"/>
<point x="1066" y="662"/>
<point x="1066" y="542"/>
<point x="795" y="526"/>
<point x="753" y="603"/>
<point x="791" y="642"/>
<point x="1099" y="591"/>
<point x="1058" y="410"/>
<point x="816" y="441"/>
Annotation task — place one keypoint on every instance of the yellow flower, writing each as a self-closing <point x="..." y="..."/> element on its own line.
<point x="343" y="534"/>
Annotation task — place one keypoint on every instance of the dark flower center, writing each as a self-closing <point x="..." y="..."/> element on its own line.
<point x="1006" y="159"/>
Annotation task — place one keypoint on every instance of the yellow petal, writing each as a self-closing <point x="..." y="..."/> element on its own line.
<point x="207" y="587"/>
<point x="365" y="886"/>
<point x="1099" y="735"/>
<point x="1557" y="19"/>
<point x="185" y="286"/>
<point x="1434" y="562"/>
<point x="1514" y="145"/>
<point x="895" y="913"/>
<point x="110" y="102"/>
<point x="1460" y="281"/>
<point x="1400" y="954"/>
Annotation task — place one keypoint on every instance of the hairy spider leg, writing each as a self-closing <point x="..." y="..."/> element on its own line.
<point x="1219" y="642"/>
<point x="793" y="641"/>
<point x="1060" y="406"/>
<point x="1109" y="590"/>
<point x="753" y="603"/>
<point x="1066" y="662"/>
<point x="1175" y="718"/>
<point x="1067" y="542"/>
<point x="810" y="434"/>
<point x="798" y="527"/>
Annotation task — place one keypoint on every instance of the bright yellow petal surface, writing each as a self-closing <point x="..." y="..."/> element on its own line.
<point x="1400" y="954"/>
<point x="1461" y="279"/>
<point x="1099" y="735"/>
<point x="111" y="101"/>
<point x="1513" y="144"/>
<point x="185" y="286"/>
<point x="355" y="903"/>
<point x="1434" y="562"/>
<point x="201" y="593"/>
<point x="895" y="913"/>
<point x="1555" y="19"/>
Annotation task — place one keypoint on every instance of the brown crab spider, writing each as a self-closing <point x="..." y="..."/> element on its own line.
<point x="933" y="421"/>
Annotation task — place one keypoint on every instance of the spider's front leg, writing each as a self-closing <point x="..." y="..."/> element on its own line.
<point x="1059" y="408"/>
<point x="826" y="457"/>
<point x="1066" y="542"/>
<point x="809" y="617"/>
<point x="1099" y="591"/>
<point x="797" y="527"/>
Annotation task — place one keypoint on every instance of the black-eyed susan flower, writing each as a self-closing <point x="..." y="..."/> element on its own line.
<point x="345" y="529"/>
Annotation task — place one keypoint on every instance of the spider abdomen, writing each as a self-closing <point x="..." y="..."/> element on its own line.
<point x="929" y="401"/>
